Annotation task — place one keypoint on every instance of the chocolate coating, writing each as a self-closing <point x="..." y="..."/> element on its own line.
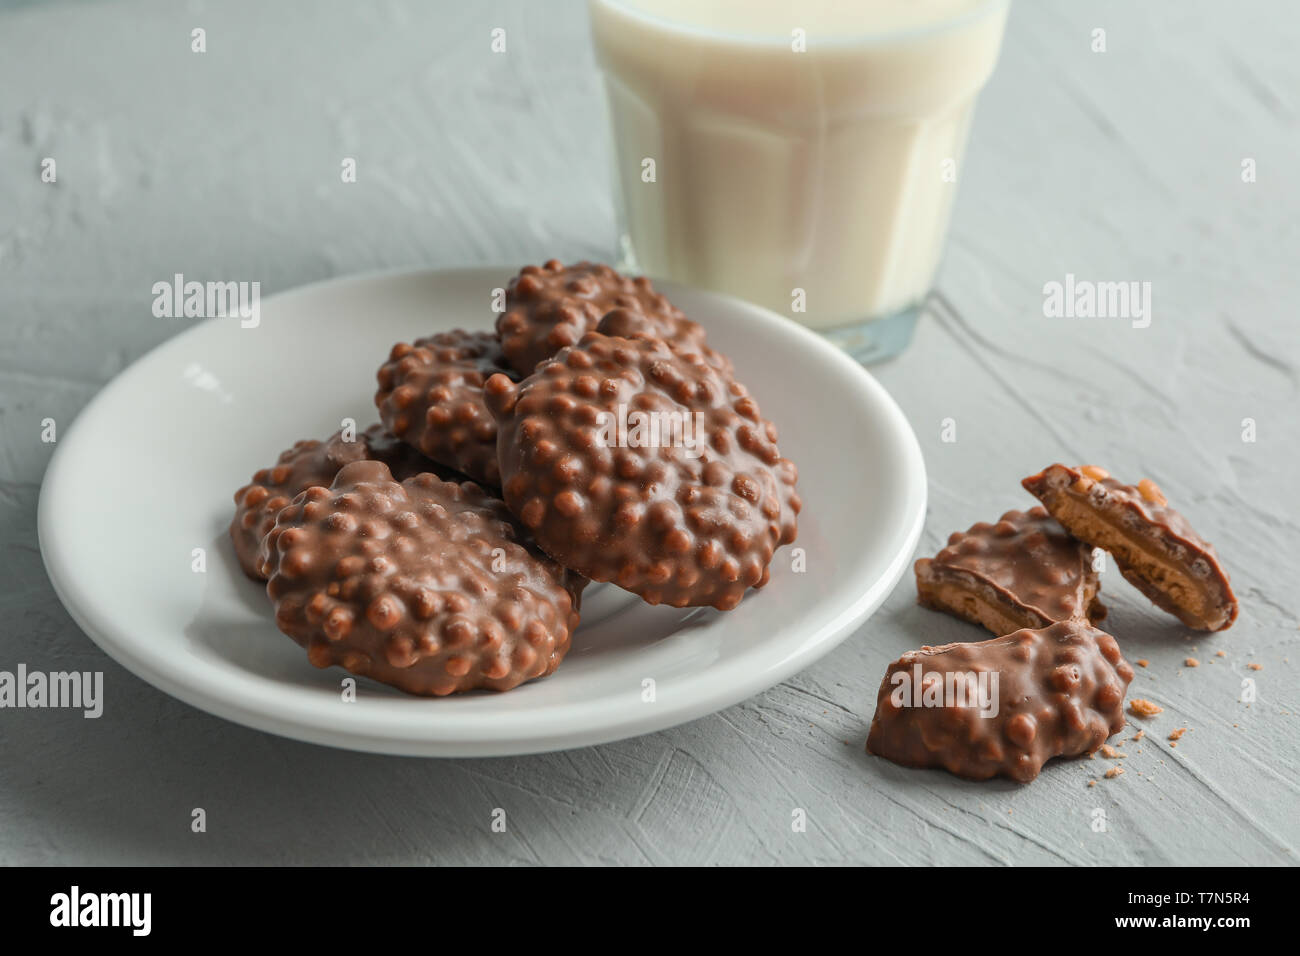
<point x="310" y="463"/>
<point x="1154" y="546"/>
<point x="553" y="305"/>
<point x="426" y="585"/>
<point x="1023" y="571"/>
<point x="673" y="525"/>
<point x="431" y="396"/>
<point x="1060" y="692"/>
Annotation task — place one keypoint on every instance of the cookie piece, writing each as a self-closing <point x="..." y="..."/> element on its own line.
<point x="1002" y="707"/>
<point x="1024" y="571"/>
<point x="1153" y="545"/>
<point x="431" y="396"/>
<point x="426" y="585"/>
<point x="632" y="463"/>
<point x="553" y="305"/>
<point x="310" y="463"/>
<point x="680" y="333"/>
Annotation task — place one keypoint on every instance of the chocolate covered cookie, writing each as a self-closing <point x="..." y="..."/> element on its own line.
<point x="431" y="396"/>
<point x="427" y="585"/>
<point x="553" y="305"/>
<point x="309" y="463"/>
<point x="634" y="463"/>
<point x="1005" y="706"/>
<point x="1023" y="571"/>
<point x="1154" y="546"/>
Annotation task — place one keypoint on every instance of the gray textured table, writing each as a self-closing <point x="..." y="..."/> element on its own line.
<point x="1118" y="165"/>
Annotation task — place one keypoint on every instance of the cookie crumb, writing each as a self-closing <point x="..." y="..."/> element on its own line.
<point x="1142" y="662"/>
<point x="1191" y="662"/>
<point x="1114" y="772"/>
<point x="1177" y="734"/>
<point x="1255" y="667"/>
<point x="1139" y="735"/>
<point x="1220" y="653"/>
<point x="1144" y="708"/>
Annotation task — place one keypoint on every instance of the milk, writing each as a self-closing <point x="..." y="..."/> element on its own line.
<point x="794" y="153"/>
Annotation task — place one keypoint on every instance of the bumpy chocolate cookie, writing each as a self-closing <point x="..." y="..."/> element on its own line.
<point x="1153" y="545"/>
<point x="553" y="305"/>
<point x="634" y="463"/>
<point x="431" y="396"/>
<point x="425" y="585"/>
<point x="1024" y="571"/>
<point x="309" y="463"/>
<point x="1059" y="692"/>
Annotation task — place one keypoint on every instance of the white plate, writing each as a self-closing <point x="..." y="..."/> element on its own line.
<point x="146" y="473"/>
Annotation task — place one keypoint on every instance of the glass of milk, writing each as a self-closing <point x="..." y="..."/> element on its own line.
<point x="801" y="154"/>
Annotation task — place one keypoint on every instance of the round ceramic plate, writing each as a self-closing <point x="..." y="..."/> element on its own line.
<point x="144" y="477"/>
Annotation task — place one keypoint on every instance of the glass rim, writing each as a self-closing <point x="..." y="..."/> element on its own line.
<point x="982" y="9"/>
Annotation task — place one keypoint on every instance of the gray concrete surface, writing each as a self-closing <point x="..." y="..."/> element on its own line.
<point x="1111" y="166"/>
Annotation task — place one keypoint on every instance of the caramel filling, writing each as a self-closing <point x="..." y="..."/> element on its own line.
<point x="1179" y="588"/>
<point x="965" y="603"/>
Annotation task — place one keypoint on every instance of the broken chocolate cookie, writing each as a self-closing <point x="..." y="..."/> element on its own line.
<point x="1153" y="545"/>
<point x="1005" y="706"/>
<point x="1023" y="571"/>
